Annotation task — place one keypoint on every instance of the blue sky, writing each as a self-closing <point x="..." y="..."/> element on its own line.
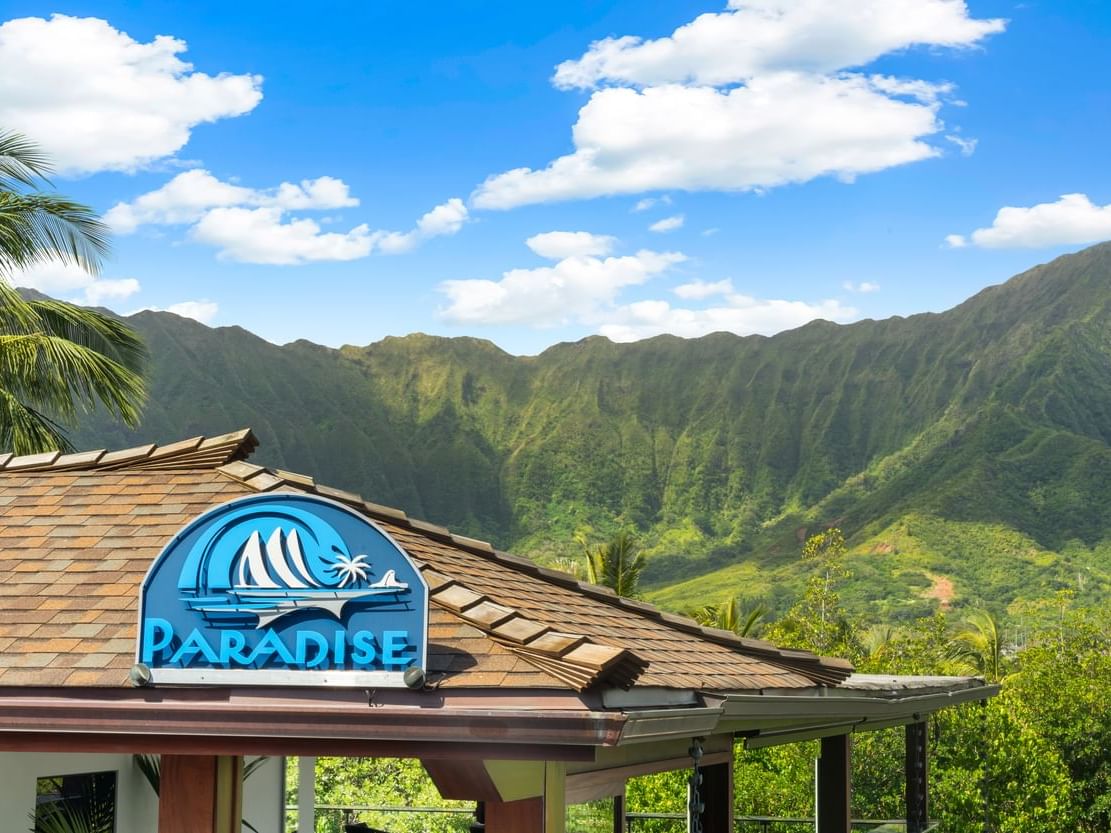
<point x="798" y="158"/>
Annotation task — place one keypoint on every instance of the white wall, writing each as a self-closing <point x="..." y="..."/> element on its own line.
<point x="136" y="803"/>
<point x="264" y="797"/>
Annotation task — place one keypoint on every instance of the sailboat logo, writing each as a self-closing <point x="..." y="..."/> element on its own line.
<point x="264" y="563"/>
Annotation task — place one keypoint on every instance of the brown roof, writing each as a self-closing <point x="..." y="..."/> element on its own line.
<point x="78" y="533"/>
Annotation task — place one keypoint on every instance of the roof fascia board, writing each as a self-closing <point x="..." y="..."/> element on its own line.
<point x="648" y="696"/>
<point x="104" y="742"/>
<point x="738" y="707"/>
<point x="292" y="720"/>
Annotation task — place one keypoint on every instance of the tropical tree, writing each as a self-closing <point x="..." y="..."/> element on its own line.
<point x="730" y="615"/>
<point x="817" y="621"/>
<point x="1062" y="689"/>
<point x="616" y="564"/>
<point x="978" y="644"/>
<point x="56" y="359"/>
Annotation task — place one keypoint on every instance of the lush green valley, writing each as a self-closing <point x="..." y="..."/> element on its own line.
<point x="967" y="454"/>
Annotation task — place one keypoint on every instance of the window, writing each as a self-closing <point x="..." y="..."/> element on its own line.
<point x="86" y="801"/>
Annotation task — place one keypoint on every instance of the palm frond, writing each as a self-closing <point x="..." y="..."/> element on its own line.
<point x="16" y="313"/>
<point x="616" y="564"/>
<point x="23" y="430"/>
<point x="151" y="768"/>
<point x="41" y="227"/>
<point x="21" y="161"/>
<point x="729" y="615"/>
<point x="67" y="377"/>
<point x="105" y="334"/>
<point x="978" y="645"/>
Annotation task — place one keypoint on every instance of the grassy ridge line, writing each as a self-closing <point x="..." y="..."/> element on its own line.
<point x="718" y="449"/>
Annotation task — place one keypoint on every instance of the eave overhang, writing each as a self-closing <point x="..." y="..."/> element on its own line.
<point x="771" y="718"/>
<point x="281" y="723"/>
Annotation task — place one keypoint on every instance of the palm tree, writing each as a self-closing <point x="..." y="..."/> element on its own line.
<point x="616" y="564"/>
<point x="877" y="642"/>
<point x="56" y="359"/>
<point x="730" y="616"/>
<point x="979" y="646"/>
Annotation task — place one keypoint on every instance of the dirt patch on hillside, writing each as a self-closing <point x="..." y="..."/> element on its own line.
<point x="941" y="588"/>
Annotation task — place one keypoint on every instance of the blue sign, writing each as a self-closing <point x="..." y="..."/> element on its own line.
<point x="283" y="588"/>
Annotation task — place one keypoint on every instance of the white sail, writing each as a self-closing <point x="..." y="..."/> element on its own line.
<point x="390" y="580"/>
<point x="276" y="560"/>
<point x="293" y="544"/>
<point x="252" y="567"/>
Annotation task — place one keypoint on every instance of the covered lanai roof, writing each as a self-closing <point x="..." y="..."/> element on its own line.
<point x="508" y="639"/>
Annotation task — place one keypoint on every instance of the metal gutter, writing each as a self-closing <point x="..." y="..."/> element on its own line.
<point x="645" y="725"/>
<point x="795" y="705"/>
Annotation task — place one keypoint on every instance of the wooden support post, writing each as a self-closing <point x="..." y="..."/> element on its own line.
<point x="834" y="787"/>
<point x="545" y="814"/>
<point x="200" y="794"/>
<point x="306" y="794"/>
<point x="917" y="756"/>
<point x="717" y="796"/>
<point x="524" y="816"/>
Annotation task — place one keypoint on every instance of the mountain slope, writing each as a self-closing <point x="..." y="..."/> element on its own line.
<point x="723" y="450"/>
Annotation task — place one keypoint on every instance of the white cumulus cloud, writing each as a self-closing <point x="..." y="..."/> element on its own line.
<point x="1073" y="219"/>
<point x="699" y="290"/>
<point x="189" y="195"/>
<point x="755" y="37"/>
<point x="863" y="287"/>
<point x="252" y="225"/>
<point x="739" y="314"/>
<point x="263" y="235"/>
<point x="443" y="220"/>
<point x="649" y="202"/>
<point x="668" y="224"/>
<point x="96" y="99"/>
<point x="777" y="129"/>
<point x="766" y="93"/>
<point x="967" y="147"/>
<point x="72" y="283"/>
<point x="557" y="245"/>
<point x="572" y="290"/>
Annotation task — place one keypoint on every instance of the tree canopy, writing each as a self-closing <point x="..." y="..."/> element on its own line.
<point x="57" y="360"/>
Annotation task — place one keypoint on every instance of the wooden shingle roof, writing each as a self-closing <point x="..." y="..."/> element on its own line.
<point x="78" y="533"/>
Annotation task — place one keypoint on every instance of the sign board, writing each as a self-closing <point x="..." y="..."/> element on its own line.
<point x="282" y="589"/>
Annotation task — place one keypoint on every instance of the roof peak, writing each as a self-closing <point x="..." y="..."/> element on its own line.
<point x="830" y="671"/>
<point x="195" y="453"/>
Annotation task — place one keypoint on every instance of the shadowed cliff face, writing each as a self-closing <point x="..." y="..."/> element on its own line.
<point x="997" y="411"/>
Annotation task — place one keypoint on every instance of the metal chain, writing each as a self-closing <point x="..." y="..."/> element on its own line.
<point x="695" y="806"/>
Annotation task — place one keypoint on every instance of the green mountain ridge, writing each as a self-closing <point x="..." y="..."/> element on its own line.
<point x="945" y="444"/>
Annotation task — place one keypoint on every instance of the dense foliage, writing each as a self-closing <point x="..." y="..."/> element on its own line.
<point x="960" y="452"/>
<point x="56" y="360"/>
<point x="344" y="784"/>
<point x="1035" y="759"/>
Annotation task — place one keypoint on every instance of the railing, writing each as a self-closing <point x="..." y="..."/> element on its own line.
<point x="337" y="815"/>
<point x="763" y="824"/>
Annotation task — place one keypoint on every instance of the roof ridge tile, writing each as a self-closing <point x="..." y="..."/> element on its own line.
<point x="818" y="669"/>
<point x="194" y="453"/>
